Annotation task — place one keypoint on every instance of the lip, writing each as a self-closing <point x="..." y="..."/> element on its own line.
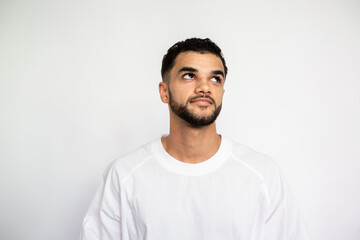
<point x="202" y="101"/>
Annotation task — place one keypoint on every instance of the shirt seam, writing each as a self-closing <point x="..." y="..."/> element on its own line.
<point x="134" y="169"/>
<point x="256" y="173"/>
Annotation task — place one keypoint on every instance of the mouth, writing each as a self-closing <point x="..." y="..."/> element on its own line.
<point x="203" y="101"/>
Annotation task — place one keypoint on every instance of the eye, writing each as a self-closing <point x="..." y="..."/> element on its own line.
<point x="189" y="76"/>
<point x="216" y="79"/>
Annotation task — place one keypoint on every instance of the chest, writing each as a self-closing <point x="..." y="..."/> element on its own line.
<point x="219" y="203"/>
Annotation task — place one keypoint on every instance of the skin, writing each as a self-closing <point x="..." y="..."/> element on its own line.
<point x="186" y="143"/>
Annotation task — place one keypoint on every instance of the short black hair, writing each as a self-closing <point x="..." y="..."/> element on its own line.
<point x="191" y="44"/>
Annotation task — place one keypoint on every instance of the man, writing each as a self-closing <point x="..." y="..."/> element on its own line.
<point x="193" y="184"/>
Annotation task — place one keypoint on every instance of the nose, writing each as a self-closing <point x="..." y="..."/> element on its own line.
<point x="203" y="87"/>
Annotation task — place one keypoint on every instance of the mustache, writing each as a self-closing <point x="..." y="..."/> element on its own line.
<point x="202" y="96"/>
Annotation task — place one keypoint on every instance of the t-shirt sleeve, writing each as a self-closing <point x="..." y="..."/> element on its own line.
<point x="283" y="220"/>
<point x="103" y="220"/>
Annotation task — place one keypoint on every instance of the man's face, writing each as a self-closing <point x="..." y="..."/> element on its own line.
<point x="196" y="88"/>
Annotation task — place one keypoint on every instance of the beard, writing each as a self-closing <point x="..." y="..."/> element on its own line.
<point x="193" y="120"/>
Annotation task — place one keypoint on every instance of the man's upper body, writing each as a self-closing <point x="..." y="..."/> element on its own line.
<point x="193" y="183"/>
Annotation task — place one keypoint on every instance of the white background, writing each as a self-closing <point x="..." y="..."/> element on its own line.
<point x="78" y="88"/>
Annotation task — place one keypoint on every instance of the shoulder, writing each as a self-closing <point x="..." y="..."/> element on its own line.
<point x="131" y="161"/>
<point x="262" y="165"/>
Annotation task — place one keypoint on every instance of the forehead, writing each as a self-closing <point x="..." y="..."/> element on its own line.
<point x="199" y="61"/>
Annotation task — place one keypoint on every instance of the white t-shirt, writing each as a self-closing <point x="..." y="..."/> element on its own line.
<point x="236" y="194"/>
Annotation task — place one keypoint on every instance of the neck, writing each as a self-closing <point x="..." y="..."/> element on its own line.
<point x="191" y="145"/>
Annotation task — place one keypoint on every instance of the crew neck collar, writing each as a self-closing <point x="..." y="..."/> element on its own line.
<point x="192" y="169"/>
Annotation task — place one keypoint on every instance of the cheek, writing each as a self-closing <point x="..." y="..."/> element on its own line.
<point x="220" y="95"/>
<point x="181" y="93"/>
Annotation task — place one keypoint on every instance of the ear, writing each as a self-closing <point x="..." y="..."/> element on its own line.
<point x="163" y="91"/>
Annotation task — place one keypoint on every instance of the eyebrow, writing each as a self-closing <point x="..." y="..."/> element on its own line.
<point x="218" y="72"/>
<point x="190" y="69"/>
<point x="187" y="69"/>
